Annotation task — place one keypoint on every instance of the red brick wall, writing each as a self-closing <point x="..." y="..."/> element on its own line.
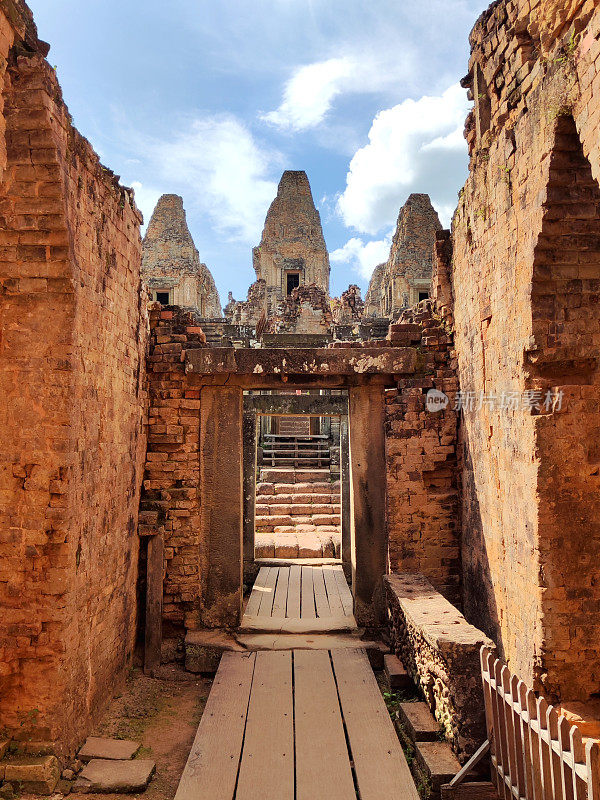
<point x="422" y="491"/>
<point x="171" y="494"/>
<point x="71" y="367"/>
<point x="525" y="278"/>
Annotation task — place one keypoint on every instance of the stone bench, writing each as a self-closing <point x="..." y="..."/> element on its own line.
<point x="440" y="650"/>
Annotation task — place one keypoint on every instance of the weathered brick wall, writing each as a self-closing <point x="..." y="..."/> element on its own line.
<point x="171" y="494"/>
<point x="71" y="366"/>
<point x="422" y="472"/>
<point x="525" y="279"/>
<point x="440" y="650"/>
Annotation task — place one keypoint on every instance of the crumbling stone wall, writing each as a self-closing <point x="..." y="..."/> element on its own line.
<point x="71" y="369"/>
<point x="525" y="272"/>
<point x="373" y="296"/>
<point x="306" y="310"/>
<point x="422" y="471"/>
<point x="349" y="308"/>
<point x="170" y="503"/>
<point x="440" y="650"/>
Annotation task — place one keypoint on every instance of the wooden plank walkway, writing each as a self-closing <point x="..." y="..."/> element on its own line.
<point x="300" y="599"/>
<point x="296" y="725"/>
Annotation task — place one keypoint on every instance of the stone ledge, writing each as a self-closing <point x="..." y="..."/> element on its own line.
<point x="440" y="650"/>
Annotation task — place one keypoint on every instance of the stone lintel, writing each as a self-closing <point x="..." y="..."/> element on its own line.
<point x="317" y="362"/>
<point x="291" y="405"/>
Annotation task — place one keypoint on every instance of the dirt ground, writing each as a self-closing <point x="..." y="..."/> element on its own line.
<point x="163" y="714"/>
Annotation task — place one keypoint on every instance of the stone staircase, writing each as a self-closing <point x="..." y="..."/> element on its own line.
<point x="298" y="514"/>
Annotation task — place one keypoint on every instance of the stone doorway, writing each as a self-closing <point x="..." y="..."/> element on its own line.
<point x="223" y="376"/>
<point x="296" y="482"/>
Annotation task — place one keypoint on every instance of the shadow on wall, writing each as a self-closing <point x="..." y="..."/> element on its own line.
<point x="479" y="598"/>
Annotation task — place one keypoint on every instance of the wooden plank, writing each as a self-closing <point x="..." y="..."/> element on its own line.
<point x="212" y="767"/>
<point x="532" y="787"/>
<point x="293" y="598"/>
<point x="578" y="750"/>
<point x="322" y="760"/>
<point x="154" y="601"/>
<point x="281" y="593"/>
<point x="345" y="593"/>
<point x="502" y="732"/>
<point x="303" y="625"/>
<point x="333" y="592"/>
<point x="513" y="693"/>
<point x="567" y="773"/>
<point x="257" y="592"/>
<point x="467" y="768"/>
<point x="534" y="748"/>
<point x="267" y="766"/>
<point x="379" y="763"/>
<point x="308" y="594"/>
<point x="555" y="761"/>
<point x="321" y="601"/>
<point x="268" y="594"/>
<point x="592" y="762"/>
<point x="542" y="708"/>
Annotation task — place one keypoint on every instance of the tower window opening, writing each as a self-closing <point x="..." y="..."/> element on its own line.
<point x="292" y="281"/>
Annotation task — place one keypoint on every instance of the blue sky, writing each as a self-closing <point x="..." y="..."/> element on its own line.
<point x="213" y="99"/>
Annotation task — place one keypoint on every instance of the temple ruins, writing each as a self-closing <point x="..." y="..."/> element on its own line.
<point x="281" y="499"/>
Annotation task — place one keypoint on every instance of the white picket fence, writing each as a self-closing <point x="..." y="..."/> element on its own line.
<point x="535" y="753"/>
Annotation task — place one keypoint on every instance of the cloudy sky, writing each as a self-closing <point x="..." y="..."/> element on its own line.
<point x="213" y="99"/>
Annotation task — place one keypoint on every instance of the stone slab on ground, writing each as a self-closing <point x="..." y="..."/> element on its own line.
<point x="104" y="748"/>
<point x="110" y="776"/>
<point x="204" y="648"/>
<point x="418" y="722"/>
<point x="436" y="762"/>
<point x="396" y="675"/>
<point x="34" y="775"/>
<point x="472" y="790"/>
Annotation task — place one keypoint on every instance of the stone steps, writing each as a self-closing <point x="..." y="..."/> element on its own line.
<point x="319" y="543"/>
<point x="269" y="488"/>
<point x="289" y="475"/>
<point x="297" y="509"/>
<point x="434" y="764"/>
<point x="298" y="524"/>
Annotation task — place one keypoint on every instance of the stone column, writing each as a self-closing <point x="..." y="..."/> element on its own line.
<point x="154" y="602"/>
<point x="345" y="496"/>
<point x="221" y="485"/>
<point x="367" y="496"/>
<point x="249" y="466"/>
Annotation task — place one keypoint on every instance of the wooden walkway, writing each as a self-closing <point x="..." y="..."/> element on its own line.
<point x="300" y="599"/>
<point x="296" y="725"/>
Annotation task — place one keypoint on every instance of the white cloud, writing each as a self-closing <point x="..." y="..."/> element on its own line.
<point x="363" y="256"/>
<point x="145" y="199"/>
<point x="414" y="146"/>
<point x="309" y="93"/>
<point x="221" y="171"/>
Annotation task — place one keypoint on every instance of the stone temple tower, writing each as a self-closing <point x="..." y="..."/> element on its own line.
<point x="292" y="250"/>
<point x="171" y="266"/>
